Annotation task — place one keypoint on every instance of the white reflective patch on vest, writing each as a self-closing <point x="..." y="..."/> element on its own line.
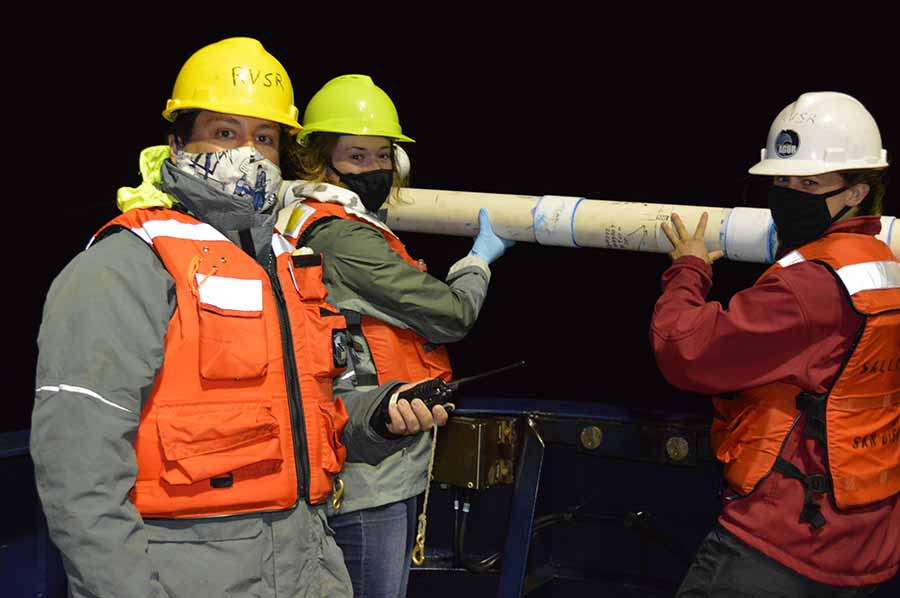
<point x="281" y="245"/>
<point x="143" y="235"/>
<point x="790" y="259"/>
<point x="870" y="276"/>
<point x="178" y="230"/>
<point x="230" y="293"/>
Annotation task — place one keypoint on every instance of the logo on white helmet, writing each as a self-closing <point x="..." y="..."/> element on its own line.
<point x="787" y="143"/>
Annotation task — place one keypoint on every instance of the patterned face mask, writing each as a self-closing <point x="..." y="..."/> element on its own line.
<point x="242" y="172"/>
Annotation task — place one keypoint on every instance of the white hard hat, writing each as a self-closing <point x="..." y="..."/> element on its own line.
<point x="821" y="132"/>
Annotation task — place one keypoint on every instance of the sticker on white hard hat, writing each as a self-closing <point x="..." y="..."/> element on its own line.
<point x="787" y="144"/>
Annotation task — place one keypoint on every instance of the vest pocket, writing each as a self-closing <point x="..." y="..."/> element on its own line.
<point x="201" y="442"/>
<point x="435" y="359"/>
<point x="320" y="331"/>
<point x="401" y="354"/>
<point x="329" y="330"/>
<point x="334" y="420"/>
<point x="232" y="343"/>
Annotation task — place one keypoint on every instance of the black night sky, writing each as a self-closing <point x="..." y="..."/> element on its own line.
<point x="569" y="105"/>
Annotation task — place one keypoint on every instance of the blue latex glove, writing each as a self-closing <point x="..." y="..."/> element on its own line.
<point x="488" y="245"/>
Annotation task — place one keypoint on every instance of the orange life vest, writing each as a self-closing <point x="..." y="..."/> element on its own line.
<point x="858" y="419"/>
<point x="398" y="353"/>
<point x="221" y="432"/>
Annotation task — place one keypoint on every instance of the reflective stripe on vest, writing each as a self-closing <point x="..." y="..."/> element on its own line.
<point x="216" y="435"/>
<point x="862" y="409"/>
<point x="397" y="353"/>
<point x="866" y="276"/>
<point x="870" y="276"/>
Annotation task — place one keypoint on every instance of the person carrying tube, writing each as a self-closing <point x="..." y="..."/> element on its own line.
<point x="348" y="165"/>
<point x="804" y="367"/>
<point x="185" y="433"/>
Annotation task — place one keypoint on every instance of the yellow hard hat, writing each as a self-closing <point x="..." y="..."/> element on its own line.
<point x="235" y="76"/>
<point x="352" y="105"/>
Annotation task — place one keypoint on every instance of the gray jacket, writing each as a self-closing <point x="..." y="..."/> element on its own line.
<point x="100" y="348"/>
<point x="363" y="274"/>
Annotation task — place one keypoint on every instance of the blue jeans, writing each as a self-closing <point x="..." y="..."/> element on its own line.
<point x="377" y="545"/>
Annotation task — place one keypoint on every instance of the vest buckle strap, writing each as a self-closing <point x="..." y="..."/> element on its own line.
<point x="817" y="483"/>
<point x="813" y="406"/>
<point x="812" y="514"/>
<point x="365" y="380"/>
<point x="809" y="401"/>
<point x="353" y="318"/>
<point x="813" y="485"/>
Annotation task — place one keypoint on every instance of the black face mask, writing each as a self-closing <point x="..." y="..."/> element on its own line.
<point x="801" y="217"/>
<point x="372" y="187"/>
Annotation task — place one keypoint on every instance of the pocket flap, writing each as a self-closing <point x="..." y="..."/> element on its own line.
<point x="204" y="441"/>
<point x="233" y="343"/>
<point x="199" y="530"/>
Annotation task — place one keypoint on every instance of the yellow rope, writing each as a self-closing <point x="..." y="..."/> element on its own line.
<point x="418" y="555"/>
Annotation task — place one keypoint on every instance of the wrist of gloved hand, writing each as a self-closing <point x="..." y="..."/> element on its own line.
<point x="488" y="245"/>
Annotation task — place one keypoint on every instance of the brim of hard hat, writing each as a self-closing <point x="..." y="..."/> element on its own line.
<point x="173" y="107"/>
<point x="309" y="130"/>
<point x="808" y="167"/>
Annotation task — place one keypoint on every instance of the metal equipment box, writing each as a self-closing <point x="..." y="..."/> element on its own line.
<point x="476" y="452"/>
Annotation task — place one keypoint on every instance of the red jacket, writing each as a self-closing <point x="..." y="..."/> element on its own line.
<point x="796" y="327"/>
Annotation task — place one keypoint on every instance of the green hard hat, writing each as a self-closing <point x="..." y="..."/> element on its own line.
<point x="352" y="105"/>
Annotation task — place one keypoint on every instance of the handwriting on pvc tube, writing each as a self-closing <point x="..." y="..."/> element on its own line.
<point x="615" y="238"/>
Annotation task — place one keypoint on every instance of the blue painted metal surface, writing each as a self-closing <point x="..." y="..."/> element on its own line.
<point x="614" y="521"/>
<point x="30" y="565"/>
<point x="524" y="503"/>
<point x="619" y="520"/>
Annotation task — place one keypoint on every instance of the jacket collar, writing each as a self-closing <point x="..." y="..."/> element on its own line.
<point x="166" y="186"/>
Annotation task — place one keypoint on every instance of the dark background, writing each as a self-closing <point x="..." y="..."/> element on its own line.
<point x="660" y="108"/>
